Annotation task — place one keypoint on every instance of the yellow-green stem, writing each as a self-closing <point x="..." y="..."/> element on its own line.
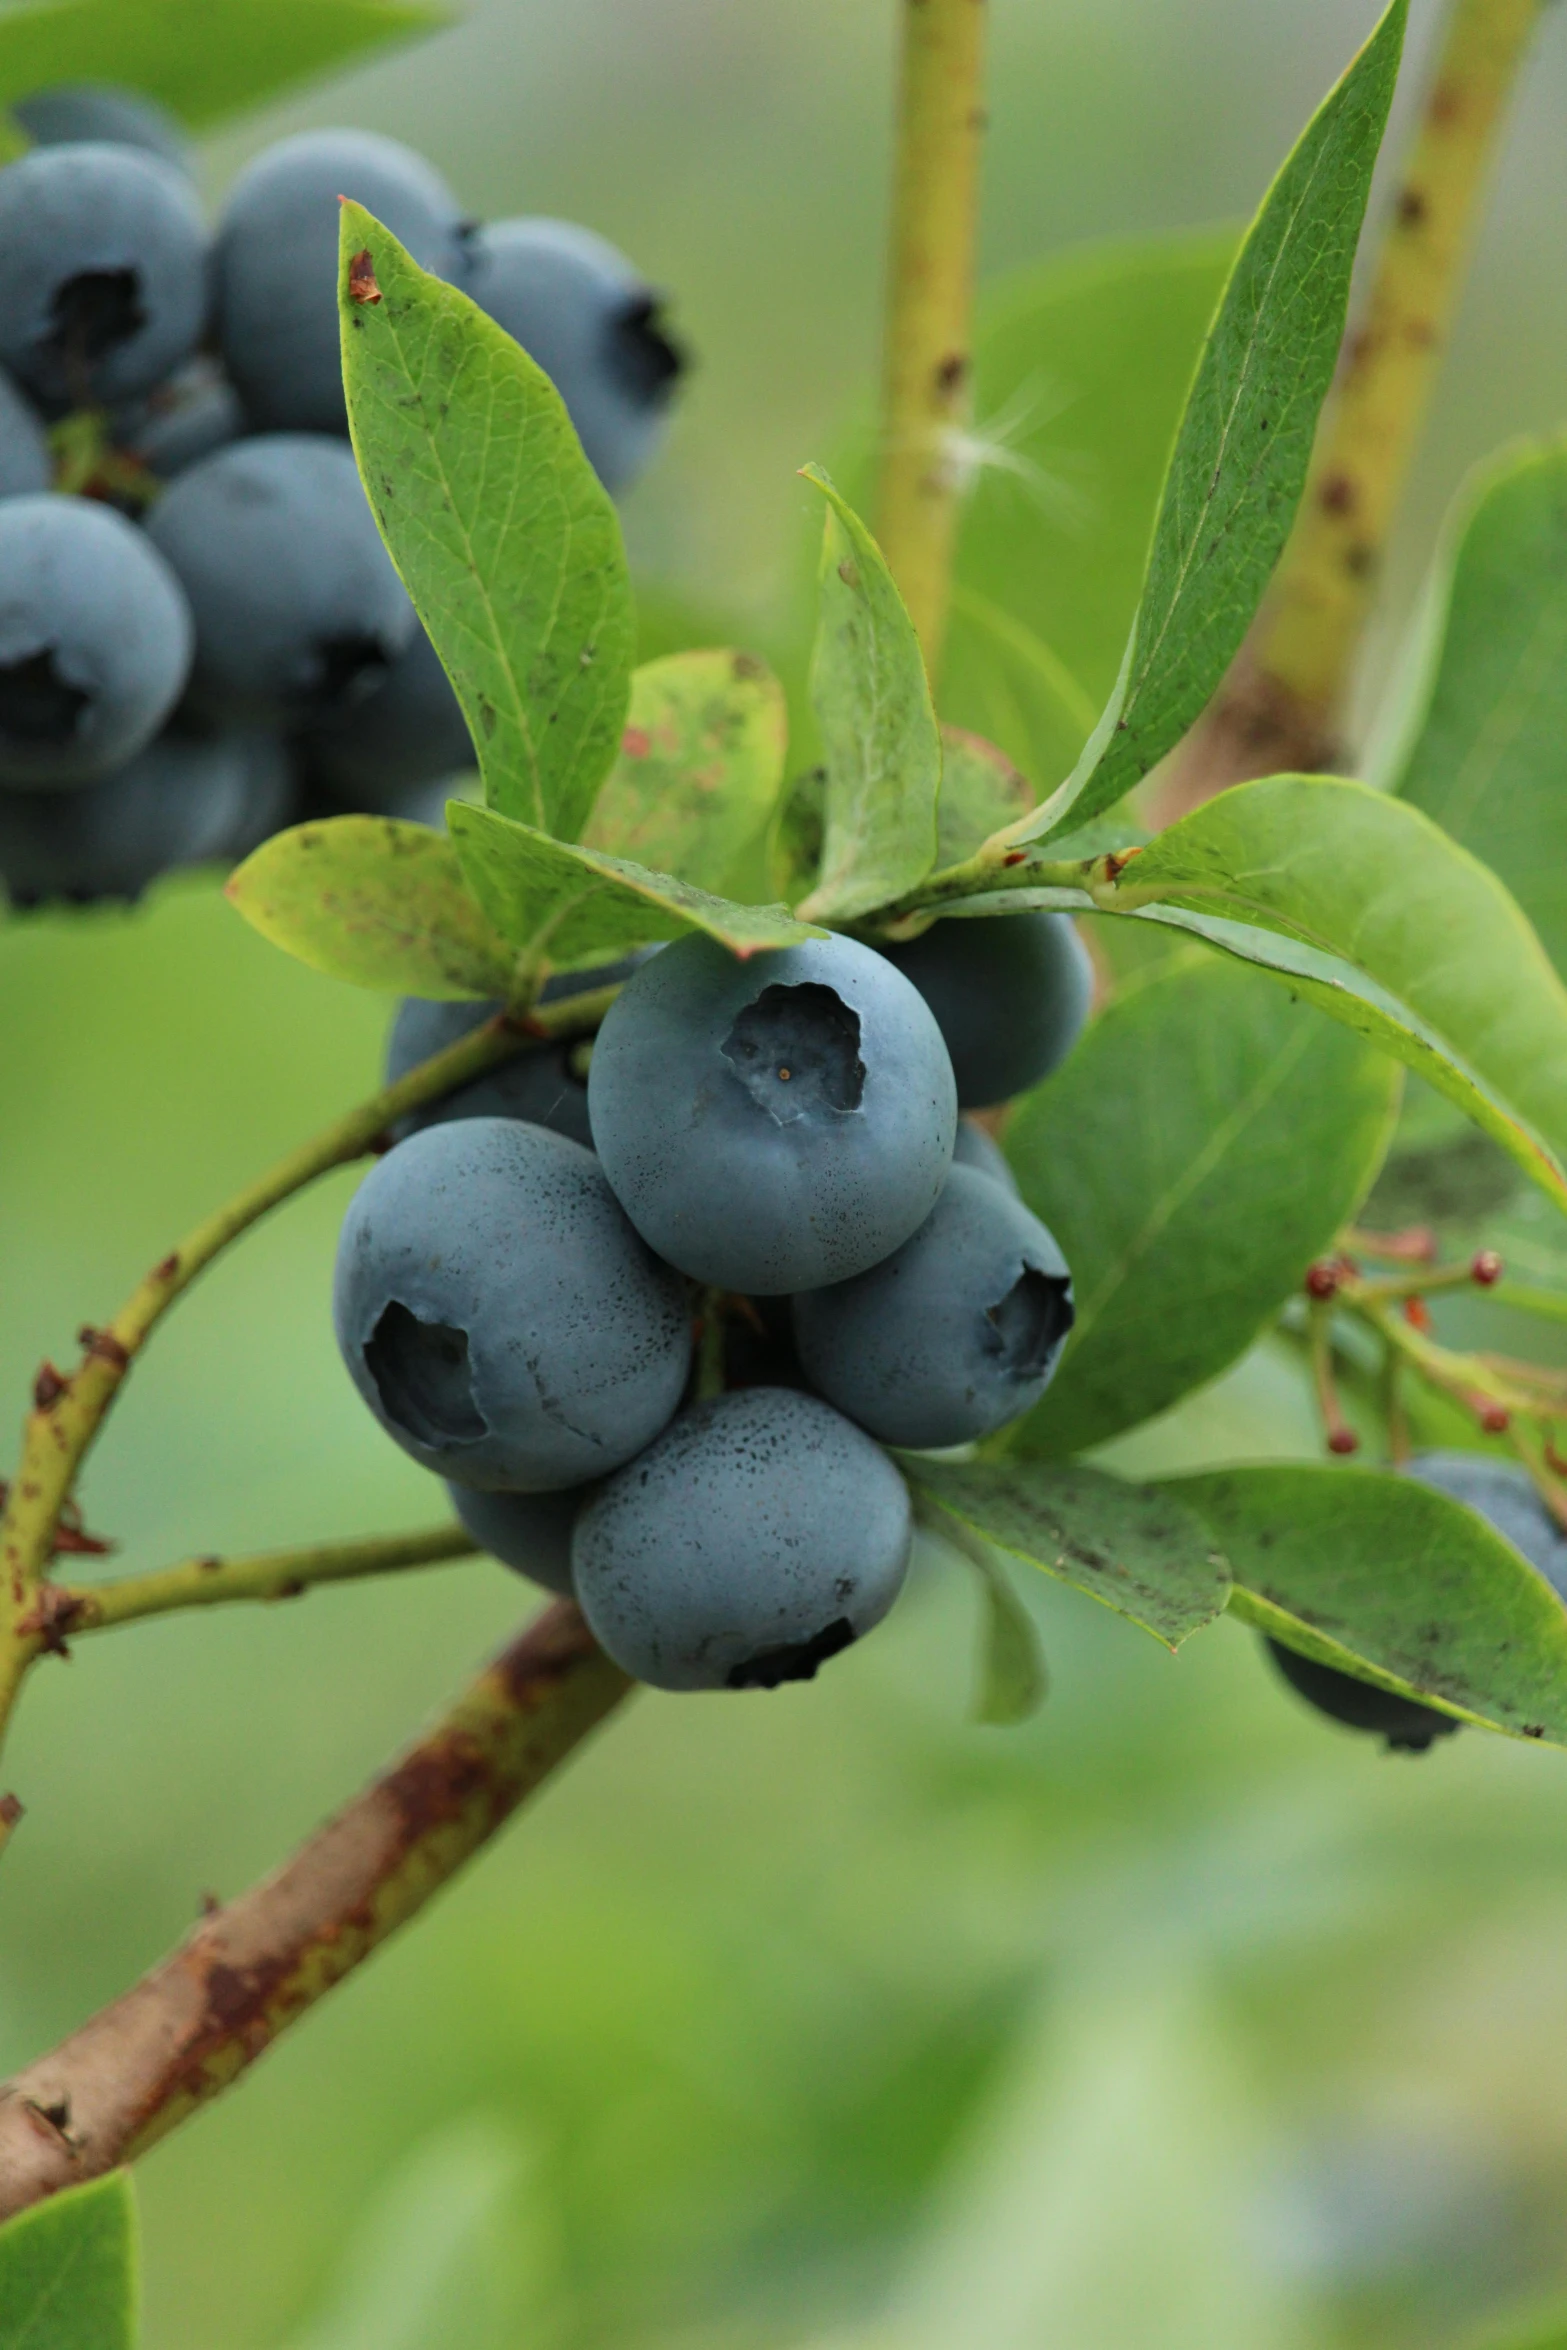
<point x="928" y="364"/>
<point x="70" y="1608"/>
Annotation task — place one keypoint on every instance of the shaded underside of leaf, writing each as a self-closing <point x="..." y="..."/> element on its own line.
<point x="570" y="904"/>
<point x="1489" y="761"/>
<point x="505" y="538"/>
<point x="699" y="771"/>
<point x="1245" y="440"/>
<point x="1379" y="1575"/>
<point x="1126" y="1545"/>
<point x="880" y="744"/>
<point x="69" y="2271"/>
<point x="377" y="902"/>
<point x="1206" y="1140"/>
<point x="199" y="59"/>
<point x="981" y="791"/>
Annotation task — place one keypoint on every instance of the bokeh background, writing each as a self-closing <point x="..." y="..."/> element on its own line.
<point x="1176" y="2018"/>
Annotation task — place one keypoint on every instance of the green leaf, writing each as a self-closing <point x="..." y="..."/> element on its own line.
<point x="1204" y="1142"/>
<point x="700" y="768"/>
<point x="1391" y="927"/>
<point x="506" y="539"/>
<point x="1013" y="1679"/>
<point x="1123" y="1544"/>
<point x="1082" y="364"/>
<point x="981" y="791"/>
<point x="1490" y="759"/>
<point x="572" y="904"/>
<point x="70" y="2273"/>
<point x="1380" y="1576"/>
<point x="880" y="744"/>
<point x="1245" y="440"/>
<point x="376" y="902"/>
<point x="200" y="60"/>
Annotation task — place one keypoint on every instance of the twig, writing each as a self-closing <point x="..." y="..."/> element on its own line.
<point x="1281" y="707"/>
<point x="198" y="2020"/>
<point x="69" y="1608"/>
<point x="927" y="369"/>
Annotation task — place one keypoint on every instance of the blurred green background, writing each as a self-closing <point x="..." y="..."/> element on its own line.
<point x="822" y="2018"/>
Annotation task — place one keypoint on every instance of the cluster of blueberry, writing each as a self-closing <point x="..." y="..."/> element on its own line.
<point x="212" y="642"/>
<point x="656" y="1323"/>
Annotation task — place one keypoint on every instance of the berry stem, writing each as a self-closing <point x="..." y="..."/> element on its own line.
<point x="69" y="1608"/>
<point x="195" y="2023"/>
<point x="1282" y="704"/>
<point x="927" y="364"/>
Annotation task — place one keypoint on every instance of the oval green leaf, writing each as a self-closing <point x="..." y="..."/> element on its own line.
<point x="1489" y="761"/>
<point x="505" y="537"/>
<point x="1245" y="440"/>
<point x="1127" y="1545"/>
<point x="376" y="902"/>
<point x="1380" y="1576"/>
<point x="569" y="904"/>
<point x="699" y="772"/>
<point x="1204" y="1142"/>
<point x="880" y="744"/>
<point x="69" y="2271"/>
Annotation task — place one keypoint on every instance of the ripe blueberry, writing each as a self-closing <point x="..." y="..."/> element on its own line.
<point x="775" y="1123"/>
<point x="759" y="1536"/>
<point x="975" y="1148"/>
<point x="411" y="732"/>
<point x="1010" y="997"/>
<point x="528" y="1532"/>
<point x="70" y="113"/>
<point x="499" y="1315"/>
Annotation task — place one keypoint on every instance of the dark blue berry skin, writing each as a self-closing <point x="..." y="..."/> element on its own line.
<point x="1504" y="1495"/>
<point x="1407" y="1728"/>
<point x="777" y="1123"/>
<point x="410" y="733"/>
<point x="584" y="315"/>
<point x="759" y="1536"/>
<point x="975" y="1148"/>
<point x="499" y="1315"/>
<point x="103" y="273"/>
<point x="299" y="612"/>
<point x="190" y="417"/>
<point x="1011" y="995"/>
<point x="73" y="112"/>
<point x="528" y="1532"/>
<point x="24" y="451"/>
<point x="538" y="1084"/>
<point x="275" y="297"/>
<point x="183" y="801"/>
<point x="95" y="641"/>
<point x="953" y="1335"/>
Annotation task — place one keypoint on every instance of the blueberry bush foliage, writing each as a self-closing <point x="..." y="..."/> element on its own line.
<point x="986" y="738"/>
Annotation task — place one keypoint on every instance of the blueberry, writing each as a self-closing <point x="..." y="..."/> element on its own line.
<point x="975" y="1148"/>
<point x="1010" y="995"/>
<point x="299" y="613"/>
<point x="25" y="468"/>
<point x="953" y="1335"/>
<point x="103" y="272"/>
<point x="267" y="797"/>
<point x="1504" y="1495"/>
<point x="410" y="733"/>
<point x="528" y="1532"/>
<point x="539" y="1084"/>
<point x="1407" y="1727"/>
<point x="500" y="1316"/>
<point x="774" y="1123"/>
<point x="95" y="641"/>
<point x="275" y="296"/>
<point x="196" y="412"/>
<point x="73" y="112"/>
<point x="182" y="801"/>
<point x="582" y="312"/>
<point x="759" y="1536"/>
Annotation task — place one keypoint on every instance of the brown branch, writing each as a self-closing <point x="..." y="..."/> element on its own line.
<point x="1281" y="707"/>
<point x="191" y="2026"/>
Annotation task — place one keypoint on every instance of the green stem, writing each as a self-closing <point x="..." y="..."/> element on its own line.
<point x="70" y="1608"/>
<point x="928" y="366"/>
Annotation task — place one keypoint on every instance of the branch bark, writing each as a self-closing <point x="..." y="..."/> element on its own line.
<point x="198" y="2020"/>
<point x="927" y="372"/>
<point x="1282" y="706"/>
